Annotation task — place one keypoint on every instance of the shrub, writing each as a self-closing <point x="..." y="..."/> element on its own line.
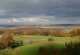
<point x="16" y="44"/>
<point x="6" y="39"/>
<point x="50" y="39"/>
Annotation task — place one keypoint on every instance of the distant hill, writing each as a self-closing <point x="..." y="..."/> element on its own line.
<point x="64" y="25"/>
<point x="11" y="26"/>
<point x="7" y="25"/>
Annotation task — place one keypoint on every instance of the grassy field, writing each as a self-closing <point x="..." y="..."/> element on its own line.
<point x="37" y="41"/>
<point x="42" y="39"/>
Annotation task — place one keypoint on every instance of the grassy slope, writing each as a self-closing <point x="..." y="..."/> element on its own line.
<point x="33" y="49"/>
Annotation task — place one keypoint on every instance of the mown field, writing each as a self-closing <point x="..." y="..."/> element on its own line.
<point x="41" y="39"/>
<point x="37" y="41"/>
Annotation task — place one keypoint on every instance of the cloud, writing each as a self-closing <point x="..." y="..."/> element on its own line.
<point x="21" y="8"/>
<point x="40" y="20"/>
<point x="55" y="11"/>
<point x="47" y="20"/>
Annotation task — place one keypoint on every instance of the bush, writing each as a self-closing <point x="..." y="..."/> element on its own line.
<point x="16" y="44"/>
<point x="6" y="40"/>
<point x="50" y="39"/>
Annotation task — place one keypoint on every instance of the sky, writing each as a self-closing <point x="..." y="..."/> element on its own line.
<point x="61" y="11"/>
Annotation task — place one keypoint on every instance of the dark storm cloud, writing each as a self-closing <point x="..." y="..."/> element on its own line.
<point x="40" y="7"/>
<point x="22" y="8"/>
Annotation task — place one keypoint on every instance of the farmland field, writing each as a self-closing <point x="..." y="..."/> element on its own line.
<point x="37" y="41"/>
<point x="39" y="38"/>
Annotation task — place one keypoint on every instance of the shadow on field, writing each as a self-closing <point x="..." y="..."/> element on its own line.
<point x="69" y="49"/>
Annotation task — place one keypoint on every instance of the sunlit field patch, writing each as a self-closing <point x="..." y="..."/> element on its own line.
<point x="39" y="38"/>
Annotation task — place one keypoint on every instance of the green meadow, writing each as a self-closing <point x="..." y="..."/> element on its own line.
<point x="37" y="42"/>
